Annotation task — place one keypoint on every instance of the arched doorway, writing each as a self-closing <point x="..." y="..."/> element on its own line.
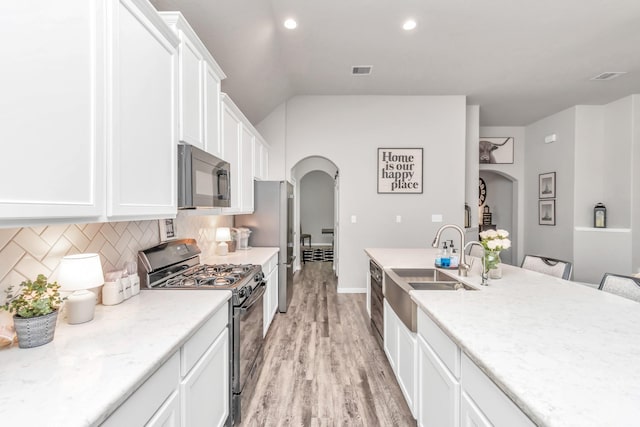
<point x="502" y="199"/>
<point x="316" y="205"/>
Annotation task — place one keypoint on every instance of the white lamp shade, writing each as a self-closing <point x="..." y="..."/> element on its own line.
<point x="223" y="234"/>
<point x="81" y="271"/>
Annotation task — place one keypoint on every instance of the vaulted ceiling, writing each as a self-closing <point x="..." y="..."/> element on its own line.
<point x="519" y="60"/>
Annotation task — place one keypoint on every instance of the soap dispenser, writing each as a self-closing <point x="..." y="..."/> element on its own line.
<point x="445" y="261"/>
<point x="454" y="258"/>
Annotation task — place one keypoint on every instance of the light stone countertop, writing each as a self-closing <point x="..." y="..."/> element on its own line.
<point x="254" y="255"/>
<point x="566" y="354"/>
<point x="88" y="370"/>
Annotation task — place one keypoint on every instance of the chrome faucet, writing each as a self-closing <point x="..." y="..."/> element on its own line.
<point x="463" y="267"/>
<point x="485" y="271"/>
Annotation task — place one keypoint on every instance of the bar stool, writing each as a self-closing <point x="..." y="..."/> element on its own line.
<point x="303" y="237"/>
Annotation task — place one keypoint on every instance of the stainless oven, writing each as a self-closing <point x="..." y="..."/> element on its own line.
<point x="247" y="328"/>
<point x="203" y="179"/>
<point x="377" y="310"/>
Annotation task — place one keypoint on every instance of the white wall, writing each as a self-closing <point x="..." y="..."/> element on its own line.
<point x="316" y="206"/>
<point x="635" y="187"/>
<point x="472" y="160"/>
<point x="348" y="130"/>
<point x="553" y="241"/>
<point x="517" y="172"/>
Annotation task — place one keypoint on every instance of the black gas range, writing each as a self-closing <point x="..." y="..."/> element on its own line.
<point x="176" y="265"/>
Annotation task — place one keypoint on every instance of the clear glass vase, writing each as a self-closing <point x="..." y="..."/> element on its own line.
<point x="492" y="261"/>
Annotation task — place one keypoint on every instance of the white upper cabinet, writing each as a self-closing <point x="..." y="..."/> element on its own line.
<point x="141" y="165"/>
<point x="246" y="170"/>
<point x="93" y="136"/>
<point x="231" y="134"/>
<point x="260" y="159"/>
<point x="199" y="79"/>
<point x="212" y="139"/>
<point x="52" y="107"/>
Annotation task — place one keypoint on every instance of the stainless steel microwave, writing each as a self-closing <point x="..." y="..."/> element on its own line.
<point x="203" y="179"/>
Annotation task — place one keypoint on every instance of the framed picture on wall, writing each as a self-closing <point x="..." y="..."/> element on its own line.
<point x="399" y="170"/>
<point x="167" y="229"/>
<point x="547" y="212"/>
<point x="496" y="150"/>
<point x="547" y="185"/>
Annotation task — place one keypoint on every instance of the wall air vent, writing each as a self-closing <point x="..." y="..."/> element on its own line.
<point x="361" y="70"/>
<point x="608" y="75"/>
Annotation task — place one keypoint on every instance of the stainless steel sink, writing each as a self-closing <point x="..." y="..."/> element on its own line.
<point x="399" y="282"/>
<point x="440" y="286"/>
<point x="423" y="275"/>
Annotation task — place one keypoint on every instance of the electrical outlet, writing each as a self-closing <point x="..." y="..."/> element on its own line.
<point x="436" y="218"/>
<point x="353" y="219"/>
<point x="398" y="219"/>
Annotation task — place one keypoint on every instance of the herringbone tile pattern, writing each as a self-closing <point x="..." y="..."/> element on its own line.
<point x="27" y="252"/>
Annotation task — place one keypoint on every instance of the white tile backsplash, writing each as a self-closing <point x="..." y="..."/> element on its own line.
<point x="27" y="252"/>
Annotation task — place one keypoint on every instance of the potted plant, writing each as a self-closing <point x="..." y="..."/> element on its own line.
<point x="35" y="311"/>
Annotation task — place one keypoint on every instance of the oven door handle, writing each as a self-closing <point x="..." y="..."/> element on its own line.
<point x="255" y="296"/>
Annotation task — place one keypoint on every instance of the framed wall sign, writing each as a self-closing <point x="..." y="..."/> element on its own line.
<point x="496" y="150"/>
<point x="400" y="170"/>
<point x="547" y="212"/>
<point x="547" y="185"/>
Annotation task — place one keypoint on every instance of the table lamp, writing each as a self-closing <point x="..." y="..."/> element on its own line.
<point x="223" y="235"/>
<point x="78" y="273"/>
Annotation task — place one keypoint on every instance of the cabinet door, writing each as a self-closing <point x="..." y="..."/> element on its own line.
<point x="191" y="93"/>
<point x="231" y="129"/>
<point x="246" y="170"/>
<point x="407" y="367"/>
<point x="52" y="116"/>
<point x="438" y="391"/>
<point x="169" y="413"/>
<point x="205" y="390"/>
<point x="257" y="159"/>
<point x="274" y="278"/>
<point x="470" y="414"/>
<point x="390" y="336"/>
<point x="142" y="146"/>
<point x="212" y="112"/>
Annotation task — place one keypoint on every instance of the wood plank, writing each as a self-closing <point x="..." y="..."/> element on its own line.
<point x="322" y="365"/>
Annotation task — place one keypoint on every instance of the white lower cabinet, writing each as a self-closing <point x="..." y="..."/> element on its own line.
<point x="400" y="345"/>
<point x="453" y="391"/>
<point x="270" y="270"/>
<point x="205" y="390"/>
<point x="470" y="414"/>
<point x="439" y="390"/>
<point x="169" y="413"/>
<point x="190" y="389"/>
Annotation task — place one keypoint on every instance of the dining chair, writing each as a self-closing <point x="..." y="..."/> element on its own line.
<point x="624" y="286"/>
<point x="546" y="265"/>
<point x="304" y="236"/>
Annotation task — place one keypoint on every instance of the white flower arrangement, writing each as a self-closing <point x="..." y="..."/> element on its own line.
<point x="495" y="240"/>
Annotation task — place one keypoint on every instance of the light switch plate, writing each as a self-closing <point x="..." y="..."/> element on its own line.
<point x="353" y="219"/>
<point x="436" y="218"/>
<point x="398" y="219"/>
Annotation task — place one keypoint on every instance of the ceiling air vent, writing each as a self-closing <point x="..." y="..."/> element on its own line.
<point x="361" y="70"/>
<point x="608" y="75"/>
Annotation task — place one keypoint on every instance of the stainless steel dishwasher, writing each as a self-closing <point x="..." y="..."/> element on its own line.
<point x="377" y="311"/>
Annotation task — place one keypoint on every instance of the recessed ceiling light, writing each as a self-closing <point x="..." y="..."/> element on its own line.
<point x="290" y="24"/>
<point x="409" y="25"/>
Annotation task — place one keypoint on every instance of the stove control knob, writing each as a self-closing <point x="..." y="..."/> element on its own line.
<point x="242" y="293"/>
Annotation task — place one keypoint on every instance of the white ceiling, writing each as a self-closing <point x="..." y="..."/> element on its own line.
<point x="519" y="60"/>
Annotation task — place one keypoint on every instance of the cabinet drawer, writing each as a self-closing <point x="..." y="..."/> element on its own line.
<point x="441" y="344"/>
<point x="493" y="403"/>
<point x="145" y="401"/>
<point x="193" y="349"/>
<point x="268" y="266"/>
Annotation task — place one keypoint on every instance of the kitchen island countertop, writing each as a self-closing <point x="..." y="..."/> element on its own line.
<point x="565" y="353"/>
<point x="90" y="369"/>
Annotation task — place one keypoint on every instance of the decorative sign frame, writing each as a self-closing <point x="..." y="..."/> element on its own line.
<point x="400" y="170"/>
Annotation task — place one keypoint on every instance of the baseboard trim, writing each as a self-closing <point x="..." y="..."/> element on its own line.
<point x="352" y="290"/>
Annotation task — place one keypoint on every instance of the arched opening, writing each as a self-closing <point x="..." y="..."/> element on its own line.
<point x="502" y="200"/>
<point x="316" y="211"/>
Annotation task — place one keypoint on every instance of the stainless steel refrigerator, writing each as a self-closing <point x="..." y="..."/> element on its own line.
<point x="271" y="224"/>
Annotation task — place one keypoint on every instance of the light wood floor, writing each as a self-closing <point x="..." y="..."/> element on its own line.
<point x="322" y="365"/>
